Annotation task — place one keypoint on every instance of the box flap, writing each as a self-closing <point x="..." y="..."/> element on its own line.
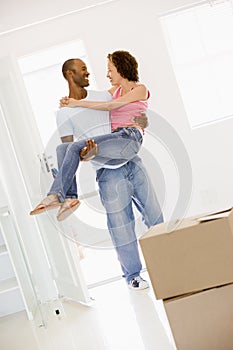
<point x="215" y="216"/>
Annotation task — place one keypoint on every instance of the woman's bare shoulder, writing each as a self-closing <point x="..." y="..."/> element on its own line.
<point x="113" y="89"/>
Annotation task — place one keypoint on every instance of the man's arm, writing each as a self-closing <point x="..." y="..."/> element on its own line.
<point x="141" y="120"/>
<point x="86" y="153"/>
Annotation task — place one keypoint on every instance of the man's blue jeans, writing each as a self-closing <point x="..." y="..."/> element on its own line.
<point x="119" y="189"/>
<point x="115" y="148"/>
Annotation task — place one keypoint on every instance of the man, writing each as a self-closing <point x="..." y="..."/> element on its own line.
<point x="120" y="186"/>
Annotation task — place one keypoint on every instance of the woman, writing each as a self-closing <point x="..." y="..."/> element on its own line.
<point x="129" y="99"/>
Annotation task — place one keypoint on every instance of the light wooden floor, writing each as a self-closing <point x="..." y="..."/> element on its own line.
<point x="118" y="319"/>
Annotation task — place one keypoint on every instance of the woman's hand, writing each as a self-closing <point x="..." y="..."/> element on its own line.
<point x="64" y="101"/>
<point x="68" y="102"/>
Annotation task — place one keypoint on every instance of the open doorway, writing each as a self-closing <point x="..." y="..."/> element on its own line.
<point x="45" y="85"/>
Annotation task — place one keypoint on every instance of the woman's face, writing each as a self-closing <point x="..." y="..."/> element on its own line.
<point x="114" y="77"/>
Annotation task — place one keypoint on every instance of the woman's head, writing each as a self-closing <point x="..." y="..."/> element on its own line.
<point x="125" y="64"/>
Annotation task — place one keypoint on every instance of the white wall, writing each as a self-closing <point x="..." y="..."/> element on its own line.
<point x="132" y="25"/>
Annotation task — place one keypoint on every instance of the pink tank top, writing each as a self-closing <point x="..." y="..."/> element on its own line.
<point x="124" y="115"/>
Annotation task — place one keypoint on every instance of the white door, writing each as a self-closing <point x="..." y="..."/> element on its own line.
<point x="33" y="177"/>
<point x="45" y="84"/>
<point x="20" y="267"/>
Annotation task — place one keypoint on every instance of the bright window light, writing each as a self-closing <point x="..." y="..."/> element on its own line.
<point x="200" y="43"/>
<point x="45" y="84"/>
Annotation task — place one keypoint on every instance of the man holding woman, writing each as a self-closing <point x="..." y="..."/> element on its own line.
<point x="121" y="182"/>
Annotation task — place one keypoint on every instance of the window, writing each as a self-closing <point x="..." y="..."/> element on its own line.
<point x="200" y="43"/>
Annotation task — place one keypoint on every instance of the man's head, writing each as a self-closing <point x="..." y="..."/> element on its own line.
<point x="75" y="71"/>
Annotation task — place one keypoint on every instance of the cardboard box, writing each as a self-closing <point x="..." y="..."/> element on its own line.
<point x="197" y="255"/>
<point x="202" y="321"/>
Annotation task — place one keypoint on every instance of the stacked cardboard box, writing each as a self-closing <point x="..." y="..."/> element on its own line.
<point x="191" y="269"/>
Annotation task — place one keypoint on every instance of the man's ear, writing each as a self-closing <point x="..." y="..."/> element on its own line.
<point x="69" y="73"/>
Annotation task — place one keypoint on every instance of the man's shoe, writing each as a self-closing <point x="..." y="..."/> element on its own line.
<point x="138" y="283"/>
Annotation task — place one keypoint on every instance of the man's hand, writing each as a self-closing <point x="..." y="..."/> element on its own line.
<point x="90" y="151"/>
<point x="141" y="120"/>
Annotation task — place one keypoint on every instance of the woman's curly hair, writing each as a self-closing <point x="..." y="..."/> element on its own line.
<point x="125" y="64"/>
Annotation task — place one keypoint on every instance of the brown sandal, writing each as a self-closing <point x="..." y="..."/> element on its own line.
<point x="49" y="202"/>
<point x="67" y="208"/>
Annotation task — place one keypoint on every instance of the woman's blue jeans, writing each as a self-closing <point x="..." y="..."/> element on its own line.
<point x="113" y="149"/>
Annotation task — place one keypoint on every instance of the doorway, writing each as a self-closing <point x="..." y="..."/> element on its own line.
<point x="45" y="85"/>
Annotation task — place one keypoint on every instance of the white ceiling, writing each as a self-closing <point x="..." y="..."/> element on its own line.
<point x="15" y="14"/>
<point x="18" y="13"/>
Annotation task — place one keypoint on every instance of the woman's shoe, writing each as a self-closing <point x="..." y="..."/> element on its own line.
<point x="67" y="208"/>
<point x="49" y="202"/>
